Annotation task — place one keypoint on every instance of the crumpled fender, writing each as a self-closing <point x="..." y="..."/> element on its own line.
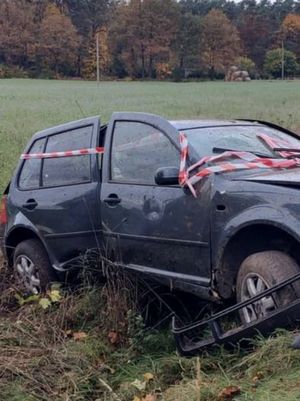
<point x="260" y="214"/>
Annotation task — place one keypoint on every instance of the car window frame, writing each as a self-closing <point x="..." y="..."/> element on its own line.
<point x="111" y="181"/>
<point x="23" y="164"/>
<point x="46" y="138"/>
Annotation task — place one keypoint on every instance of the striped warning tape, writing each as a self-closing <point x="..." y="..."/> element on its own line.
<point x="279" y="143"/>
<point x="186" y="178"/>
<point x="68" y="153"/>
<point x="250" y="161"/>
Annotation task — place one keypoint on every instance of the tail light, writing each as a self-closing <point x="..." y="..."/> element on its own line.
<point x="3" y="210"/>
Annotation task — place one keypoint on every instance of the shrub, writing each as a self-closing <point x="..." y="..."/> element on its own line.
<point x="273" y="63"/>
<point x="12" y="71"/>
<point x="246" y="64"/>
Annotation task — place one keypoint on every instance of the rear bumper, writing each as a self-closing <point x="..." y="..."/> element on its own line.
<point x="191" y="339"/>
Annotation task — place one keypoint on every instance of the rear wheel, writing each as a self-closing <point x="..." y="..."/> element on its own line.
<point x="32" y="267"/>
<point x="260" y="272"/>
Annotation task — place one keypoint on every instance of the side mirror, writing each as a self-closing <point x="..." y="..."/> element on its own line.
<point x="167" y="176"/>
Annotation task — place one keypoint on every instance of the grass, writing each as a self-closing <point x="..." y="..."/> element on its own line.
<point x="40" y="358"/>
<point x="27" y="106"/>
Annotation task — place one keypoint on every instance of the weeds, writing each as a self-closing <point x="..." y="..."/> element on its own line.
<point x="92" y="344"/>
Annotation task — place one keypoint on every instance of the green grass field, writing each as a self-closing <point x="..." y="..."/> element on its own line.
<point x="27" y="106"/>
<point x="40" y="358"/>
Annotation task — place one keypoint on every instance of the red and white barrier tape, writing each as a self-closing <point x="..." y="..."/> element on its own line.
<point x="279" y="143"/>
<point x="92" y="151"/>
<point x="68" y="153"/>
<point x="250" y="161"/>
<point x="183" y="156"/>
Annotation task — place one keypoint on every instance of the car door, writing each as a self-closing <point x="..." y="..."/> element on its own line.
<point x="156" y="229"/>
<point x="58" y="197"/>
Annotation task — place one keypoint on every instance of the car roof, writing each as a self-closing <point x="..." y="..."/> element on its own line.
<point x="203" y="123"/>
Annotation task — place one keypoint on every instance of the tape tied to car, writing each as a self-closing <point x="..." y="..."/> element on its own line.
<point x="224" y="162"/>
<point x="68" y="153"/>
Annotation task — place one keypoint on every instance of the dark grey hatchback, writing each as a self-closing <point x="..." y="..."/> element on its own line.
<point x="208" y="207"/>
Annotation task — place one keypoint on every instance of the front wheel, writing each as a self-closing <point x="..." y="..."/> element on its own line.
<point x="32" y="267"/>
<point x="260" y="272"/>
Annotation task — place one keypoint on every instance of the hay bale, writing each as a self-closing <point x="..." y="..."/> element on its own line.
<point x="233" y="68"/>
<point x="236" y="75"/>
<point x="244" y="74"/>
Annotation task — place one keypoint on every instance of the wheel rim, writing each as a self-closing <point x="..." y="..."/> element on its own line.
<point x="252" y="285"/>
<point x="28" y="275"/>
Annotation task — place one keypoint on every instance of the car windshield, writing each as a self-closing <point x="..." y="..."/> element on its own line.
<point x="211" y="141"/>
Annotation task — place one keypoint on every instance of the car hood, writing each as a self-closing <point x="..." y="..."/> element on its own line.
<point x="282" y="177"/>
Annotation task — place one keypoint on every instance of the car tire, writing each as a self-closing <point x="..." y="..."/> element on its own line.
<point x="33" y="271"/>
<point x="259" y="272"/>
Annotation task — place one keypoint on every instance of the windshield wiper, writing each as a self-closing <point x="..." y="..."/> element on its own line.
<point x="259" y="154"/>
<point x="295" y="150"/>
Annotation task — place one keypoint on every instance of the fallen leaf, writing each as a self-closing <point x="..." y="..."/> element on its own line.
<point x="31" y="298"/>
<point x="258" y="376"/>
<point x="139" y="385"/>
<point x="149" y="397"/>
<point x="22" y="301"/>
<point x="228" y="393"/>
<point x="45" y="303"/>
<point x="54" y="295"/>
<point x="136" y="399"/>
<point x="148" y="377"/>
<point x="79" y="336"/>
<point x="113" y="337"/>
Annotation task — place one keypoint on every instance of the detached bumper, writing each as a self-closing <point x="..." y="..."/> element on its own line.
<point x="191" y="339"/>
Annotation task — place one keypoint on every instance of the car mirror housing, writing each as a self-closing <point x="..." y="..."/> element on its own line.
<point x="167" y="176"/>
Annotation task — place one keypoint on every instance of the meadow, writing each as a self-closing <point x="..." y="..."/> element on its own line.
<point x="27" y="106"/>
<point x="79" y="348"/>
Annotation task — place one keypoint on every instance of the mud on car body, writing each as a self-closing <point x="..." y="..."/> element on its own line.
<point x="236" y="238"/>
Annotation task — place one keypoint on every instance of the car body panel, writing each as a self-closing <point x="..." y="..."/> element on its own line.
<point x="284" y="177"/>
<point x="153" y="226"/>
<point x="67" y="217"/>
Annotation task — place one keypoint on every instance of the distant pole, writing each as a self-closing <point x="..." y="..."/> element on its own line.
<point x="282" y="59"/>
<point x="98" y="64"/>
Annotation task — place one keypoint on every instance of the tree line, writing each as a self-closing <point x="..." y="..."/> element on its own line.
<point x="148" y="38"/>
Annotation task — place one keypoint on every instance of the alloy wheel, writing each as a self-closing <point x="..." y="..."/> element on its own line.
<point x="27" y="274"/>
<point x="252" y="285"/>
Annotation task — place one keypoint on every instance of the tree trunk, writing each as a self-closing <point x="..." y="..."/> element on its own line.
<point x="150" y="66"/>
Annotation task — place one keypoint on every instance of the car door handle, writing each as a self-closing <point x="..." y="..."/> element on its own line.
<point x="112" y="200"/>
<point x="30" y="204"/>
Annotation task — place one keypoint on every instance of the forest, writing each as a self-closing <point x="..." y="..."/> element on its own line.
<point x="148" y="39"/>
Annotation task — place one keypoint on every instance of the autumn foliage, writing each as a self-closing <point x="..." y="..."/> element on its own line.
<point x="143" y="39"/>
<point x="220" y="42"/>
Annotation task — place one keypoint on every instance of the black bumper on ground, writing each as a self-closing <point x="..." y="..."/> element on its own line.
<point x="191" y="339"/>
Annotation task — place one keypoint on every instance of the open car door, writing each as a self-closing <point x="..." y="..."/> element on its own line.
<point x="160" y="230"/>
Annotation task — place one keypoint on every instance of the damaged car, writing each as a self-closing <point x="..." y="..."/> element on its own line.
<point x="208" y="207"/>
